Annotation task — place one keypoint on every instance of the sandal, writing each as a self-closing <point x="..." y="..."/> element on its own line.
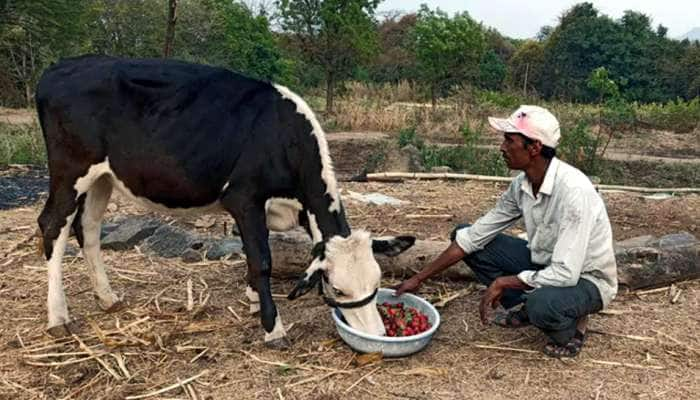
<point x="568" y="350"/>
<point x="512" y="319"/>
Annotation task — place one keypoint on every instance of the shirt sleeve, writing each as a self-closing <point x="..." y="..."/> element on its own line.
<point x="569" y="252"/>
<point x="498" y="219"/>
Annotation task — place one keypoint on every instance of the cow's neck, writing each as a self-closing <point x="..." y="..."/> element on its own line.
<point x="329" y="221"/>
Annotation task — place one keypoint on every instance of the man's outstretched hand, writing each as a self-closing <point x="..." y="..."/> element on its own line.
<point x="409" y="285"/>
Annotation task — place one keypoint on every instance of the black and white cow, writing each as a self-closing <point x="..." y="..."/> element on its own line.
<point x="179" y="136"/>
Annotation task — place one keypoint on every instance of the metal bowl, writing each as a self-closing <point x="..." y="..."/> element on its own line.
<point x="390" y="346"/>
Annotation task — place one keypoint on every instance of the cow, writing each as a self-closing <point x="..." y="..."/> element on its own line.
<point x="183" y="137"/>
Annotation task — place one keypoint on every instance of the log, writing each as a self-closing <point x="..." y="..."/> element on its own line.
<point x="643" y="262"/>
<point x="291" y="255"/>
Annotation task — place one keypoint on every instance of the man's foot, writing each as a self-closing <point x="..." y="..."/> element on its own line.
<point x="512" y="318"/>
<point x="568" y="350"/>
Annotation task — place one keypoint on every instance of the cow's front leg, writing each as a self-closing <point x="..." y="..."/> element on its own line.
<point x="254" y="233"/>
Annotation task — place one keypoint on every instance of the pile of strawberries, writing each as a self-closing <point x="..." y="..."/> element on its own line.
<point x="402" y="321"/>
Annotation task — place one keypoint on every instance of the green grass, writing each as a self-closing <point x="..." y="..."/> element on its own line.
<point x="21" y="144"/>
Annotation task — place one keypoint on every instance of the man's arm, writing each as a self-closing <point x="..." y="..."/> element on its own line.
<point x="445" y="260"/>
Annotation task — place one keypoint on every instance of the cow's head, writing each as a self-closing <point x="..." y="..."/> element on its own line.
<point x="349" y="277"/>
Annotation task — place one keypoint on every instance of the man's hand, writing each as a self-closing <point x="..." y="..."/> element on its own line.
<point x="409" y="285"/>
<point x="494" y="293"/>
<point x="491" y="298"/>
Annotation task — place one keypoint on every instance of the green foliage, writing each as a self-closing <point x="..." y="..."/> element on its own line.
<point x="21" y="144"/>
<point x="468" y="157"/>
<point x="32" y="35"/>
<point x="599" y="80"/>
<point x="678" y="116"/>
<point x="501" y="100"/>
<point x="579" y="147"/>
<point x="336" y="35"/>
<point x="448" y="50"/>
<point x="492" y="71"/>
<point x="526" y="69"/>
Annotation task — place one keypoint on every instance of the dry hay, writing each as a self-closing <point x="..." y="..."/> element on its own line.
<point x="171" y="342"/>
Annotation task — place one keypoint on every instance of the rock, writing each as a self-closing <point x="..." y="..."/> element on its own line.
<point x="376" y="198"/>
<point x="128" y="232"/>
<point x="170" y="241"/>
<point x="191" y="256"/>
<point x="218" y="249"/>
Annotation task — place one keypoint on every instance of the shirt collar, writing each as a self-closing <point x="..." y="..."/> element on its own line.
<point x="548" y="182"/>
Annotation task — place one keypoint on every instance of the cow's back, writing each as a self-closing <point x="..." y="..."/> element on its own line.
<point x="171" y="131"/>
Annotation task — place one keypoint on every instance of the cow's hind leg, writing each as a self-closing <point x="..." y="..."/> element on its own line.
<point x="254" y="233"/>
<point x="55" y="222"/>
<point x="90" y="222"/>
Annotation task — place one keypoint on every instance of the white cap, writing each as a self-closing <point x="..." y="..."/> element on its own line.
<point x="532" y="121"/>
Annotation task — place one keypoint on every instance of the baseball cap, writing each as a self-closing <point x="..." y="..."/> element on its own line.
<point x="532" y="121"/>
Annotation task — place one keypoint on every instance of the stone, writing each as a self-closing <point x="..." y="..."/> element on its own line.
<point x="128" y="232"/>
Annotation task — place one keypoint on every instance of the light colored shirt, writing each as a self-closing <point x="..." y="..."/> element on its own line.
<point x="567" y="225"/>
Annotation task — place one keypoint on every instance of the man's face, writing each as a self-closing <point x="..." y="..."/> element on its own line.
<point x="516" y="154"/>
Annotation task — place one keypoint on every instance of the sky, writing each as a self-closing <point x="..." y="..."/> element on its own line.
<point x="523" y="19"/>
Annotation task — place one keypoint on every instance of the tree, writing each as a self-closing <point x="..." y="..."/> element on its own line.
<point x="337" y="35"/>
<point x="170" y="28"/>
<point x="395" y="60"/>
<point x="32" y="35"/>
<point x="448" y="50"/>
<point x="526" y="67"/>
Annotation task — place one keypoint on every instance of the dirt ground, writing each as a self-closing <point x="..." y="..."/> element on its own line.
<point x="643" y="347"/>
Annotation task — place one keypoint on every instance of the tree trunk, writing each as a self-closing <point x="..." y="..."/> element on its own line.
<point x="433" y="99"/>
<point x="329" y="92"/>
<point x="170" y="28"/>
<point x="641" y="262"/>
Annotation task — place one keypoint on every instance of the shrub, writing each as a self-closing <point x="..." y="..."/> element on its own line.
<point x="21" y="144"/>
<point x="678" y="116"/>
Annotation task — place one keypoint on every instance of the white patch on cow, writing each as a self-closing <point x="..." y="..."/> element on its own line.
<point x="223" y="189"/>
<point x="56" y="301"/>
<point x="282" y="214"/>
<point x="278" y="331"/>
<point x="253" y="299"/>
<point x="352" y="269"/>
<point x="103" y="168"/>
<point x="316" y="235"/>
<point x="327" y="166"/>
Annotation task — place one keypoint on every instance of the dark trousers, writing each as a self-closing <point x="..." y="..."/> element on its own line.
<point x="554" y="310"/>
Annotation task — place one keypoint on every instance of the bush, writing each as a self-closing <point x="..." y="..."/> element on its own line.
<point x="677" y="116"/>
<point x="21" y="144"/>
<point x="578" y="146"/>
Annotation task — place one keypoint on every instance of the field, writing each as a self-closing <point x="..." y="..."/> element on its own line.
<point x="643" y="347"/>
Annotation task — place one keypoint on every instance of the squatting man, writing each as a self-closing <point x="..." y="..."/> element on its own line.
<point x="566" y="270"/>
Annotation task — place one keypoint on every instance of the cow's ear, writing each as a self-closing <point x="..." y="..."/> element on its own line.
<point x="310" y="280"/>
<point x="392" y="246"/>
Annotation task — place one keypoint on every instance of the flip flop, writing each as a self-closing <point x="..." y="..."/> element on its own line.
<point x="569" y="350"/>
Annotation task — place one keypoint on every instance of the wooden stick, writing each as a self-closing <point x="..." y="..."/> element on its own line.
<point x="278" y="364"/>
<point x="315" y="378"/>
<point x="362" y="378"/>
<point x="678" y="342"/>
<point x="429" y="216"/>
<point x="675" y="298"/>
<point x="628" y="365"/>
<point x="481" y="346"/>
<point x="190" y="299"/>
<point x="652" y="291"/>
<point x="393" y="176"/>
<point x="234" y="313"/>
<point x="168" y="388"/>
<point x="633" y="337"/>
<point x="97" y="358"/>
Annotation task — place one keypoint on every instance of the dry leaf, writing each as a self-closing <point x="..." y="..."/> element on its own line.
<point x="369" y="358"/>
<point x="206" y="221"/>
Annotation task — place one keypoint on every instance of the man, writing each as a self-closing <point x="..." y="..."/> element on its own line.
<point x="567" y="269"/>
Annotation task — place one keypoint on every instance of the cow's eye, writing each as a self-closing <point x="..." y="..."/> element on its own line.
<point x="337" y="292"/>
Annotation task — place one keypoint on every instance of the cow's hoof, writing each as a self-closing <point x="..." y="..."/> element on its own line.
<point x="279" y="344"/>
<point x="63" y="330"/>
<point x="116" y="306"/>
